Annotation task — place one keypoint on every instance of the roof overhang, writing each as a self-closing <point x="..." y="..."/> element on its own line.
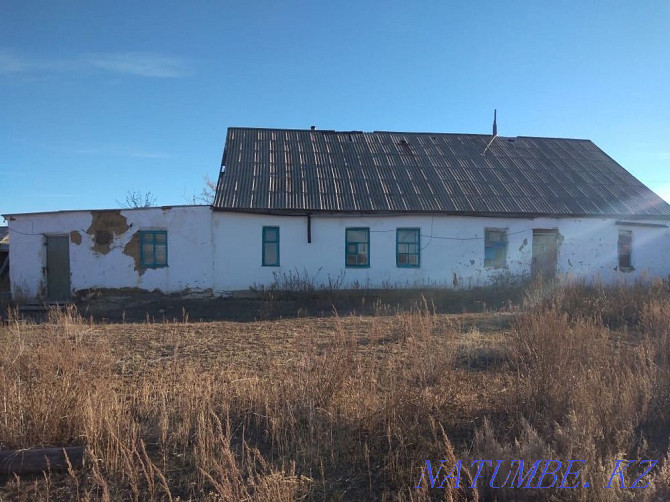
<point x="303" y="212"/>
<point x="124" y="209"/>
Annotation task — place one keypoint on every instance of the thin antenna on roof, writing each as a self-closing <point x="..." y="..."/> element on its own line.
<point x="495" y="131"/>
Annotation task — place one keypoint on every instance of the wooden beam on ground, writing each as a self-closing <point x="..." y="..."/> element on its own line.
<point x="36" y="460"/>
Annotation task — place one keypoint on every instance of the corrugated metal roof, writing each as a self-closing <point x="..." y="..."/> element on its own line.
<point x="299" y="171"/>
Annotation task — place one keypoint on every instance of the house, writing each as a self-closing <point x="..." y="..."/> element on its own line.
<point x="55" y="254"/>
<point x="358" y="209"/>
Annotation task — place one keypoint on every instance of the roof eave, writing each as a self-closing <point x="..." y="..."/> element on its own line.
<point x="303" y="212"/>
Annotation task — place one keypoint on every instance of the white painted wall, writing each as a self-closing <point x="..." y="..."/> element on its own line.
<point x="222" y="250"/>
<point x="190" y="251"/>
<point x="587" y="248"/>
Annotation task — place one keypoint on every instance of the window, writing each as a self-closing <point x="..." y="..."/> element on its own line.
<point x="408" y="247"/>
<point x="625" y="244"/>
<point x="153" y="248"/>
<point x="495" y="248"/>
<point x="270" y="246"/>
<point x="358" y="247"/>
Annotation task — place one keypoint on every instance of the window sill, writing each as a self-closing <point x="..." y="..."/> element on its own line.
<point x="154" y="266"/>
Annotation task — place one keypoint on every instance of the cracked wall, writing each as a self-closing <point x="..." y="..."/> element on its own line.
<point x="105" y="227"/>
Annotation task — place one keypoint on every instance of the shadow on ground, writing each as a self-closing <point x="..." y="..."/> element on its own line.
<point x="138" y="306"/>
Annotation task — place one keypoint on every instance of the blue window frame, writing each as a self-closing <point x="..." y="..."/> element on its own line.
<point x="408" y="247"/>
<point x="357" y="251"/>
<point x="270" y="246"/>
<point x="495" y="248"/>
<point x="153" y="248"/>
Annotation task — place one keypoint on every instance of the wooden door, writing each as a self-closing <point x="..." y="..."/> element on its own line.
<point x="545" y="253"/>
<point x="58" y="267"/>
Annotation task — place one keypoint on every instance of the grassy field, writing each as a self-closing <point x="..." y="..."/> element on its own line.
<point x="345" y="407"/>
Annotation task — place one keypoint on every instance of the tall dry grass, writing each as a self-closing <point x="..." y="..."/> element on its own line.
<point x="591" y="365"/>
<point x="351" y="414"/>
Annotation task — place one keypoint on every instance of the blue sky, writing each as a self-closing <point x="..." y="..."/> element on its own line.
<point x="101" y="98"/>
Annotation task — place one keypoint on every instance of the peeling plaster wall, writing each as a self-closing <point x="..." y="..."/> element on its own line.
<point x="222" y="251"/>
<point x="106" y="226"/>
<point x="99" y="253"/>
<point x="587" y="247"/>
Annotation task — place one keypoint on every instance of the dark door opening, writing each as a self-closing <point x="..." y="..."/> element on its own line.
<point x="58" y="267"/>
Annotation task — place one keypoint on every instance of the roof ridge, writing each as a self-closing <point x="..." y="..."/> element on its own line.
<point x="426" y="133"/>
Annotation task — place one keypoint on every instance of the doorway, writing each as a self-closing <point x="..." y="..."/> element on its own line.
<point x="58" y="267"/>
<point x="545" y="253"/>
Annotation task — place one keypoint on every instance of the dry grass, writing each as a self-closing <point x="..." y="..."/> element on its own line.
<point x="343" y="408"/>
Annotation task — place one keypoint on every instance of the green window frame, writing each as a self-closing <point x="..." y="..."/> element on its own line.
<point x="270" y="246"/>
<point x="153" y="248"/>
<point x="495" y="247"/>
<point x="408" y="247"/>
<point x="357" y="249"/>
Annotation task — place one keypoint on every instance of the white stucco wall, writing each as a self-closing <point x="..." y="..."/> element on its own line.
<point x="222" y="251"/>
<point x="190" y="250"/>
<point x="455" y="254"/>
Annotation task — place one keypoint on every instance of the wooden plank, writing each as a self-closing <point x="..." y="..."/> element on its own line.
<point x="36" y="460"/>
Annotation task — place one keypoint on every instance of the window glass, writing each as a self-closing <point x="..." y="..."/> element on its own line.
<point x="357" y="235"/>
<point x="161" y="255"/>
<point x="270" y="246"/>
<point x="495" y="248"/>
<point x="357" y="247"/>
<point x="153" y="248"/>
<point x="407" y="247"/>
